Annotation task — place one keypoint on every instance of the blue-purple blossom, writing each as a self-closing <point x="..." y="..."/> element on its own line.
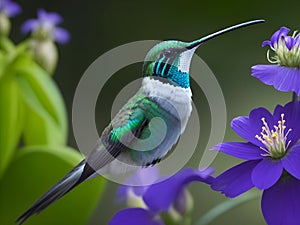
<point x="45" y="26"/>
<point x="135" y="216"/>
<point x="160" y="197"/>
<point x="9" y="8"/>
<point x="273" y="158"/>
<point x="136" y="186"/>
<point x="284" y="75"/>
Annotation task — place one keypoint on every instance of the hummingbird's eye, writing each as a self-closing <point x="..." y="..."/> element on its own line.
<point x="171" y="53"/>
<point x="168" y="53"/>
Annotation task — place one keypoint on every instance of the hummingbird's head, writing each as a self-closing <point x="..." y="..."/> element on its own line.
<point x="170" y="60"/>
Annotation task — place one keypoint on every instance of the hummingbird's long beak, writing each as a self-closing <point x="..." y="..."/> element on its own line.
<point x="228" y="29"/>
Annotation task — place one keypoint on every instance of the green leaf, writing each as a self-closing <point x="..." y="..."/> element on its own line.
<point x="6" y="44"/>
<point x="39" y="127"/>
<point x="2" y="64"/>
<point x="9" y="53"/>
<point x="32" y="173"/>
<point x="225" y="206"/>
<point x="10" y="121"/>
<point x="46" y="120"/>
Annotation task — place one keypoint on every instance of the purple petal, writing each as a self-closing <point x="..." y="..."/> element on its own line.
<point x="266" y="173"/>
<point x="134" y="216"/>
<point x="282" y="32"/>
<point x="122" y="193"/>
<point x="266" y="43"/>
<point x="236" y="180"/>
<point x="160" y="196"/>
<point x="281" y="77"/>
<point x="30" y="25"/>
<point x="248" y="127"/>
<point x="291" y="113"/>
<point x="143" y="178"/>
<point x="49" y="17"/>
<point x="240" y="150"/>
<point x="11" y="9"/>
<point x="291" y="162"/>
<point x="41" y="13"/>
<point x="180" y="202"/>
<point x="139" y="181"/>
<point x="289" y="42"/>
<point x="47" y="21"/>
<point x="297" y="40"/>
<point x="61" y="35"/>
<point x="281" y="203"/>
<point x="55" y="18"/>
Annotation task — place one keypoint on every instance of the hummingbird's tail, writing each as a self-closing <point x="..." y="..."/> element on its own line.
<point x="65" y="185"/>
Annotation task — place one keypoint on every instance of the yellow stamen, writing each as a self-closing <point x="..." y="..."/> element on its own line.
<point x="274" y="140"/>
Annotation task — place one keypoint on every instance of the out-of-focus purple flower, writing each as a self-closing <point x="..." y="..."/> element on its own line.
<point x="173" y="187"/>
<point x="273" y="158"/>
<point x="161" y="197"/>
<point x="9" y="8"/>
<point x="285" y="75"/>
<point x="136" y="186"/>
<point x="136" y="216"/>
<point x="45" y="26"/>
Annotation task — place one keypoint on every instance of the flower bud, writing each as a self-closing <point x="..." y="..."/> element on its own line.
<point x="45" y="53"/>
<point x="5" y="25"/>
<point x="184" y="203"/>
<point x="134" y="201"/>
<point x="180" y="210"/>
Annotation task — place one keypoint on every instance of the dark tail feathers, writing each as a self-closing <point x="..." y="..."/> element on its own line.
<point x="65" y="185"/>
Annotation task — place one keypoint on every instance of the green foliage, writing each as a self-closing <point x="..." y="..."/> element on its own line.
<point x="10" y="120"/>
<point x="31" y="173"/>
<point x="33" y="117"/>
<point x="46" y="121"/>
<point x="26" y="90"/>
<point x="226" y="206"/>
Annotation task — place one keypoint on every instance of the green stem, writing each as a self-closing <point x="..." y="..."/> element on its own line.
<point x="187" y="220"/>
<point x="225" y="206"/>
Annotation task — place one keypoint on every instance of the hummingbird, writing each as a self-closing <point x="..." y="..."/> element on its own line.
<point x="165" y="94"/>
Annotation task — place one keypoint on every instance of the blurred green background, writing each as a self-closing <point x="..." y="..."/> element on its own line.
<point x="98" y="26"/>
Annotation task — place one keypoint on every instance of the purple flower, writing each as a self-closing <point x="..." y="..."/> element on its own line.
<point x="285" y="75"/>
<point x="166" y="195"/>
<point x="45" y="26"/>
<point x="136" y="186"/>
<point x="273" y="158"/>
<point x="9" y="8"/>
<point x="135" y="216"/>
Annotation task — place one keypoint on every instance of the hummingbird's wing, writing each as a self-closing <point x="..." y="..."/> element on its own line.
<point x="129" y="123"/>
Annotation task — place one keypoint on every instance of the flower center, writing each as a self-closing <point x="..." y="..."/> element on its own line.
<point x="287" y="52"/>
<point x="275" y="140"/>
